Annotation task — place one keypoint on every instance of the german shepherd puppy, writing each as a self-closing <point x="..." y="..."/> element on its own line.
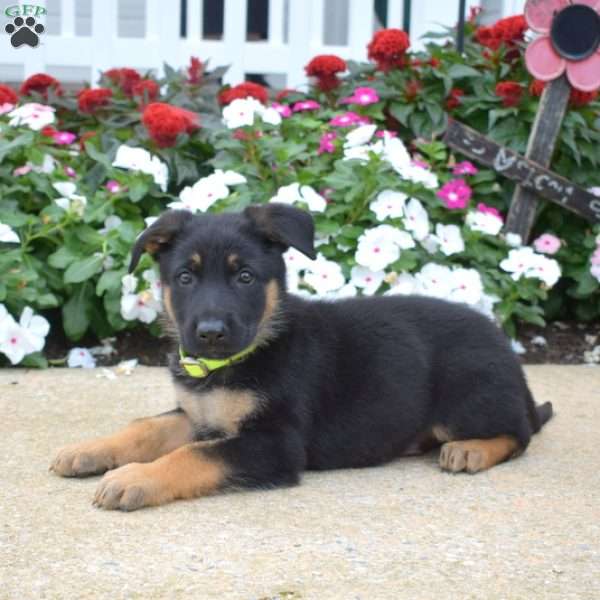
<point x="268" y="384"/>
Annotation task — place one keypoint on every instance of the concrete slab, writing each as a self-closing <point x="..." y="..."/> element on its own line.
<point x="528" y="529"/>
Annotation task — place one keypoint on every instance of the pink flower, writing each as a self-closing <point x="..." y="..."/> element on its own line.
<point x="490" y="210"/>
<point x="547" y="243"/>
<point x="386" y="133"/>
<point x="326" y="143"/>
<point x="595" y="260"/>
<point x="421" y="164"/>
<point x="455" y="194"/>
<point x="22" y="170"/>
<point x="363" y="96"/>
<point x="64" y="137"/>
<point x="69" y="171"/>
<point x="113" y="186"/>
<point x="6" y="107"/>
<point x="465" y="168"/>
<point x="283" y="109"/>
<point x="306" y="105"/>
<point x="348" y="119"/>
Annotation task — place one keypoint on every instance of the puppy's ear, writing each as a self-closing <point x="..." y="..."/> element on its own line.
<point x="159" y="235"/>
<point x="285" y="225"/>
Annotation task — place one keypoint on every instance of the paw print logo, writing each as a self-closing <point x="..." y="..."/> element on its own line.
<point x="24" y="31"/>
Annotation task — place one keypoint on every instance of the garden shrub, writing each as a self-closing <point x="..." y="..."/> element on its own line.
<point x="82" y="174"/>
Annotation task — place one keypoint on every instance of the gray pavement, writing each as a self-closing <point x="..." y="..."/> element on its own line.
<point x="528" y="529"/>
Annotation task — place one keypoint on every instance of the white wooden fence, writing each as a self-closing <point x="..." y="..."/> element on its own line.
<point x="84" y="37"/>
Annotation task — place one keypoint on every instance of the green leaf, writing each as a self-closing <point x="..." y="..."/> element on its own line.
<point x="62" y="258"/>
<point x="82" y="270"/>
<point x="36" y="360"/>
<point x="137" y="190"/>
<point x="459" y="71"/>
<point x="25" y="139"/>
<point x="109" y="280"/>
<point x="402" y="111"/>
<point x="75" y="312"/>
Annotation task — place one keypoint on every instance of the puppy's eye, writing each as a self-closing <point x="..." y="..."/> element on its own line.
<point x="184" y="278"/>
<point x="245" y="276"/>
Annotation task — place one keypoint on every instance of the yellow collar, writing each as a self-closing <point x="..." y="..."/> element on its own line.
<point x="202" y="367"/>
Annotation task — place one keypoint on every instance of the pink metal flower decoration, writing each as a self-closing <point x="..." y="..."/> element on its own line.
<point x="569" y="41"/>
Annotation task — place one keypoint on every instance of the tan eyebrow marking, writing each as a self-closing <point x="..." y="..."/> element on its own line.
<point x="196" y="259"/>
<point x="233" y="261"/>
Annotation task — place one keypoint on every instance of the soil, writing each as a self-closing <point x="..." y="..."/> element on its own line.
<point x="558" y="343"/>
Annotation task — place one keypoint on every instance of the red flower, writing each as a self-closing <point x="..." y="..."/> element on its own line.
<point x="91" y="100"/>
<point x="40" y="83"/>
<point x="165" y="122"/>
<point x="453" y="100"/>
<point x="147" y="88"/>
<point x="244" y="90"/>
<point x="412" y="90"/>
<point x="283" y="94"/>
<point x="8" y="95"/>
<point x="577" y="99"/>
<point x="124" y="79"/>
<point x="387" y="48"/>
<point x="48" y="131"/>
<point x="511" y="92"/>
<point x="507" y="31"/>
<point x="195" y="71"/>
<point x="325" y="68"/>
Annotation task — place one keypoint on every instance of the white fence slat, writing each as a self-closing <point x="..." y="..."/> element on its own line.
<point x="104" y="26"/>
<point x="67" y="18"/>
<point x="153" y="16"/>
<point x="168" y="44"/>
<point x="276" y="21"/>
<point x="194" y="19"/>
<point x="360" y="28"/>
<point x="395" y="14"/>
<point x="316" y="9"/>
<point x="234" y="38"/>
<point x="34" y="59"/>
<point x="301" y="33"/>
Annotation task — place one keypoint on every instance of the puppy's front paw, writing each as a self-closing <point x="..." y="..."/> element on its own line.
<point x="81" y="460"/>
<point x="131" y="487"/>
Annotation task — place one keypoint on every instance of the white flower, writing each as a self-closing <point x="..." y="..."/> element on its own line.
<point x="486" y="305"/>
<point x="484" y="222"/>
<point x="8" y="235"/>
<point x="152" y="277"/>
<point x="270" y="116"/>
<point x="129" y="284"/>
<point x="138" y="159"/>
<point x="150" y="221"/>
<point x="517" y="347"/>
<point x="292" y="193"/>
<point x="380" y="246"/>
<point x="449" y="239"/>
<point x="524" y="262"/>
<point x="388" y="204"/>
<point x="202" y="195"/>
<point x="595" y="271"/>
<point x="74" y="203"/>
<point x="241" y="111"/>
<point x="514" y="240"/>
<point x="430" y="243"/>
<point x="467" y="286"/>
<point x="126" y="367"/>
<point x="404" y="285"/>
<point x="65" y="188"/>
<point x="35" y="116"/>
<point x="346" y="291"/>
<point x="229" y="177"/>
<point x="357" y="153"/>
<point x="80" y="357"/>
<point x="416" y="219"/>
<point x="324" y="275"/>
<point x="292" y="280"/>
<point x="110" y="223"/>
<point x="359" y="136"/>
<point x="435" y="280"/>
<point x="295" y="261"/>
<point x="22" y="338"/>
<point x="142" y="306"/>
<point x="418" y="174"/>
<point x="369" y="281"/>
<point x="395" y="152"/>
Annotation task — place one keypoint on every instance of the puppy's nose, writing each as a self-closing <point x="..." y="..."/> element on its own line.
<point x="211" y="332"/>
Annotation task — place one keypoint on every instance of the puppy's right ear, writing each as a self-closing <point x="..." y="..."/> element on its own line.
<point x="159" y="235"/>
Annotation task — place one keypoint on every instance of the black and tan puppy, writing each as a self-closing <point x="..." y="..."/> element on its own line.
<point x="268" y="384"/>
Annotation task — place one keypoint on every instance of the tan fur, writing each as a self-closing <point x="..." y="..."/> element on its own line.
<point x="144" y="440"/>
<point x="168" y="302"/>
<point x="441" y="434"/>
<point x="220" y="409"/>
<point x="477" y="455"/>
<point x="269" y="320"/>
<point x="233" y="261"/>
<point x="196" y="259"/>
<point x="185" y="473"/>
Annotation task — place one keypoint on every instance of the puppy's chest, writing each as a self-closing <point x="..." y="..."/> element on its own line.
<point x="219" y="411"/>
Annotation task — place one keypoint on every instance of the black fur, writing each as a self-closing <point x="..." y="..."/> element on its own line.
<point x="350" y="383"/>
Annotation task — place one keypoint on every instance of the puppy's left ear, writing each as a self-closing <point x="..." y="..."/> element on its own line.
<point x="284" y="225"/>
<point x="159" y="235"/>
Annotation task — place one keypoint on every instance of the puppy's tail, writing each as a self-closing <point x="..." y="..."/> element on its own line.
<point x="539" y="414"/>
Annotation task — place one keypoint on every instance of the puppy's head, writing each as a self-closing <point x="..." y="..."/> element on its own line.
<point x="223" y="276"/>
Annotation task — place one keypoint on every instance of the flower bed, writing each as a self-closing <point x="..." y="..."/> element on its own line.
<point x="395" y="211"/>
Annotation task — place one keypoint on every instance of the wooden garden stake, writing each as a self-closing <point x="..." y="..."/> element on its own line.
<point x="542" y="141"/>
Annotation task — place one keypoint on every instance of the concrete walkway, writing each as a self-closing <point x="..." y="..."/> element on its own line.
<point x="528" y="529"/>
